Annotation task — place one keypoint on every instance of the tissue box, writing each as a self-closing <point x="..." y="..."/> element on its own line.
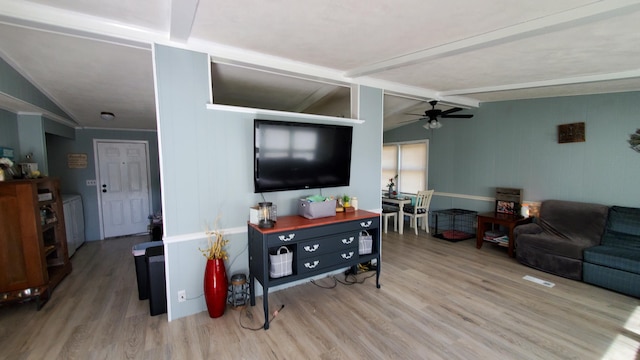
<point x="254" y="214"/>
<point x="318" y="209"/>
<point x="254" y="217"/>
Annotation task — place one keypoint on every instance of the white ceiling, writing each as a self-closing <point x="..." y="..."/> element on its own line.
<point x="90" y="56"/>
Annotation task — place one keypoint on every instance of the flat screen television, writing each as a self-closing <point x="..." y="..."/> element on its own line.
<point x="295" y="155"/>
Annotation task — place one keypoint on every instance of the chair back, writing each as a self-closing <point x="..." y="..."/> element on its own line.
<point x="423" y="200"/>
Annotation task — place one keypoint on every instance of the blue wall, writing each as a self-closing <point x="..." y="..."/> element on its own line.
<point x="514" y="144"/>
<point x="75" y="180"/>
<point x="206" y="161"/>
<point x="9" y="132"/>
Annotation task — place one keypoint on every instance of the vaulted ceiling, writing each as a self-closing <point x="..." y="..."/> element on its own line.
<point x="90" y="56"/>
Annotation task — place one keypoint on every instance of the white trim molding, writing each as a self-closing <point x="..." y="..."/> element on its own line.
<point x="287" y="114"/>
<point x="201" y="235"/>
<point x="464" y="196"/>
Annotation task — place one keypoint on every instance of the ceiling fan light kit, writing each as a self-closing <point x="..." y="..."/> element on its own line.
<point x="433" y="124"/>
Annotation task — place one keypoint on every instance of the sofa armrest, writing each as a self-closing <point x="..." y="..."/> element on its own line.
<point x="530" y="228"/>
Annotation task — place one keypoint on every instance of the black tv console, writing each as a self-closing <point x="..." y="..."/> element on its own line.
<point x="318" y="245"/>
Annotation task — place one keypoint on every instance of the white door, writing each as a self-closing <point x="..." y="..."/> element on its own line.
<point x="123" y="185"/>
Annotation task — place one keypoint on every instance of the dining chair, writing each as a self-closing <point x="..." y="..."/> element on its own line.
<point x="390" y="212"/>
<point x="420" y="210"/>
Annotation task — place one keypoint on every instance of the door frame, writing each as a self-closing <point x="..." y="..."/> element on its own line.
<point x="97" y="174"/>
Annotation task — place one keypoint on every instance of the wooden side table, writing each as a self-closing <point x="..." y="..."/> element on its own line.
<point x="506" y="220"/>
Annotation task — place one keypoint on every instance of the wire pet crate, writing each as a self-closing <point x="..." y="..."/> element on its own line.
<point x="454" y="224"/>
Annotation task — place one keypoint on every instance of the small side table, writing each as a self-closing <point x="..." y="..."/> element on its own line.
<point x="506" y="220"/>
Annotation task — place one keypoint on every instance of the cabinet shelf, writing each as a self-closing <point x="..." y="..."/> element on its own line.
<point x="49" y="249"/>
<point x="41" y="258"/>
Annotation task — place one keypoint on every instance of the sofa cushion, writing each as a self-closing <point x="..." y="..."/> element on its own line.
<point x="623" y="228"/>
<point x="580" y="223"/>
<point x="551" y="244"/>
<point x="614" y="257"/>
<point x="606" y="277"/>
<point x="528" y="254"/>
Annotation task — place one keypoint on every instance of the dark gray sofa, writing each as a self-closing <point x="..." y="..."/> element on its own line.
<point x="615" y="263"/>
<point x="556" y="241"/>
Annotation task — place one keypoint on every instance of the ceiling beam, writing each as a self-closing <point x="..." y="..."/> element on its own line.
<point x="546" y="83"/>
<point x="183" y="13"/>
<point x="59" y="21"/>
<point x="581" y="15"/>
<point x="417" y="92"/>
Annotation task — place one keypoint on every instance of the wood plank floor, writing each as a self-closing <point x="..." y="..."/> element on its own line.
<point x="439" y="300"/>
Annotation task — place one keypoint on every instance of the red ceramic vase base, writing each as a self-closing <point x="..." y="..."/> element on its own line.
<point x="215" y="287"/>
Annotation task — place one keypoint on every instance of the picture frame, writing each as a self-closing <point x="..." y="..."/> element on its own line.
<point x="569" y="133"/>
<point x="506" y="207"/>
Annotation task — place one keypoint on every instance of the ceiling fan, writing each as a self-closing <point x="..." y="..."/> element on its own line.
<point x="433" y="114"/>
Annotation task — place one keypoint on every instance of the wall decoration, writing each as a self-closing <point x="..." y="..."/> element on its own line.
<point x="634" y="141"/>
<point x="571" y="133"/>
<point x="77" y="161"/>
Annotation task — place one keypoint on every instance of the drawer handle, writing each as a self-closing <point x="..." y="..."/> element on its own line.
<point x="347" y="242"/>
<point x="347" y="257"/>
<point x="311" y="248"/>
<point x="309" y="266"/>
<point x="283" y="238"/>
<point x="366" y="224"/>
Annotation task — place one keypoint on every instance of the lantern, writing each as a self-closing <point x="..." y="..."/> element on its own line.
<point x="266" y="215"/>
<point x="238" y="291"/>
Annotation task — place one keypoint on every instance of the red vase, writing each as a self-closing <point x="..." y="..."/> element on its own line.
<point x="215" y="287"/>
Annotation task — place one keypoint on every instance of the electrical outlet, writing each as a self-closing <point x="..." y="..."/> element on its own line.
<point x="182" y="295"/>
<point x="91" y="183"/>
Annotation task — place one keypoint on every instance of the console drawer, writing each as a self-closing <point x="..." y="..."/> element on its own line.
<point x="288" y="237"/>
<point x="364" y="224"/>
<point x="336" y="260"/>
<point x="337" y="242"/>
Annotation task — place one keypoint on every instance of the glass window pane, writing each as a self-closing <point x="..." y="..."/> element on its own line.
<point x="389" y="164"/>
<point x="413" y="167"/>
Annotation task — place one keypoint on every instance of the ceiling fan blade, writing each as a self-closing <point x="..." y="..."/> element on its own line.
<point x="412" y="120"/>
<point x="415" y="114"/>
<point x="458" y="116"/>
<point x="452" y="110"/>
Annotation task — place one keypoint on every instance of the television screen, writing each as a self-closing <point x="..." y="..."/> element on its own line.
<point x="292" y="155"/>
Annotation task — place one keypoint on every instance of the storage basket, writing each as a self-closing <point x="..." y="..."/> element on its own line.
<point x="280" y="264"/>
<point x="365" y="243"/>
<point x="317" y="209"/>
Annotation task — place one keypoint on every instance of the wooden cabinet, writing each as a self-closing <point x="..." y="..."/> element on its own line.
<point x="318" y="245"/>
<point x="34" y="256"/>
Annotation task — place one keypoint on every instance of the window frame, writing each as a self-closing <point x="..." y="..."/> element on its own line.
<point x="399" y="169"/>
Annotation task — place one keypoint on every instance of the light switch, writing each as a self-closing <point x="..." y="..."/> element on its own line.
<point x="91" y="183"/>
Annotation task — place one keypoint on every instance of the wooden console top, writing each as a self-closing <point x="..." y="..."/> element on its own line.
<point x="294" y="222"/>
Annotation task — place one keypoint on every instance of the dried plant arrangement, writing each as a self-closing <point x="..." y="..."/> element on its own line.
<point x="216" y="243"/>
